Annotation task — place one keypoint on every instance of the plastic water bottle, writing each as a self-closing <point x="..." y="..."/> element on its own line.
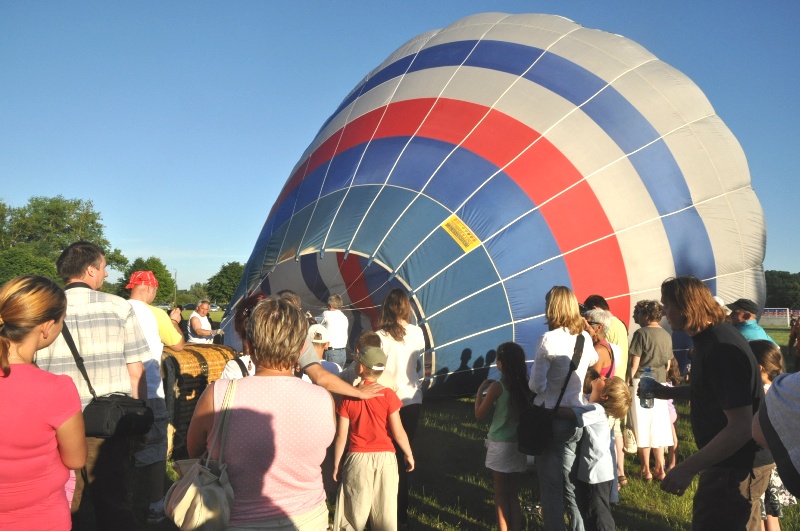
<point x="646" y="382"/>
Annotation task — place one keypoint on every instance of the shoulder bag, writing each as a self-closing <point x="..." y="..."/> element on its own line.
<point x="111" y="415"/>
<point x="202" y="497"/>
<point x="535" y="428"/>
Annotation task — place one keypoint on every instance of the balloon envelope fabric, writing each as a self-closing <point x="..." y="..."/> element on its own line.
<point x="483" y="163"/>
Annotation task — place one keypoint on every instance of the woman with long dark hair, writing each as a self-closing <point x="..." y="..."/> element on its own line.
<point x="403" y="344"/>
<point x="502" y="457"/>
<point x="43" y="436"/>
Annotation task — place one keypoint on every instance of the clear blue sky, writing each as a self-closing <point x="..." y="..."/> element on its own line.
<point x="182" y="120"/>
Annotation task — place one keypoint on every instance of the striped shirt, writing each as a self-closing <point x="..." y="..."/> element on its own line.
<point x="108" y="337"/>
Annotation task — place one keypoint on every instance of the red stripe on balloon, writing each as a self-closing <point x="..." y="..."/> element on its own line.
<point x="567" y="203"/>
<point x="353" y="276"/>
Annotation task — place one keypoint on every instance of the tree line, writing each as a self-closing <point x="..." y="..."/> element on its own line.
<point x="783" y="289"/>
<point x="32" y="237"/>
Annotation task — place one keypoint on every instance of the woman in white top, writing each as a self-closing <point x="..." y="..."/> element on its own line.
<point x="403" y="344"/>
<point x="553" y="357"/>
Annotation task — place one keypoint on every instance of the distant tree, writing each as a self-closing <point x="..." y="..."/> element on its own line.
<point x="783" y="289"/>
<point x="49" y="224"/>
<point x="5" y="221"/>
<point x="222" y="285"/>
<point x="23" y="260"/>
<point x="185" y="298"/>
<point x="198" y="291"/>
<point x="166" y="284"/>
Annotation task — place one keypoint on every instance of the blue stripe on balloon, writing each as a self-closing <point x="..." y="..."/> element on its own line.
<point x="623" y="123"/>
<point x="309" y="268"/>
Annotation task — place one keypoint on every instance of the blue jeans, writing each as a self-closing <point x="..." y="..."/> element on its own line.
<point x="337" y="355"/>
<point x="557" y="479"/>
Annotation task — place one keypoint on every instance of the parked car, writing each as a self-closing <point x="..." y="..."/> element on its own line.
<point x="214" y="308"/>
<point x="166" y="306"/>
<point x="191" y="306"/>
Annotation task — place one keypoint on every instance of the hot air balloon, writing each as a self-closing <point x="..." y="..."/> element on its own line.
<point x="481" y="164"/>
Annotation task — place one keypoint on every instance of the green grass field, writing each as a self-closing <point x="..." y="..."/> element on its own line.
<point x="453" y="490"/>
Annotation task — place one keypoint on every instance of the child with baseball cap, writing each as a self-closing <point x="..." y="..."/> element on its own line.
<point x="320" y="340"/>
<point x="369" y="477"/>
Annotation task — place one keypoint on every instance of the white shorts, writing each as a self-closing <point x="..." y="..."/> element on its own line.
<point x="504" y="457"/>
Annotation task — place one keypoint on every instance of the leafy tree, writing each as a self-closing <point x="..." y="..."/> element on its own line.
<point x="222" y="285"/>
<point x="197" y="291"/>
<point x="23" y="260"/>
<point x="166" y="284"/>
<point x="185" y="298"/>
<point x="5" y="220"/>
<point x="49" y="224"/>
<point x="783" y="289"/>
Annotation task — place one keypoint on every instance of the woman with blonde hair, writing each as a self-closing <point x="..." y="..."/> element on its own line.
<point x="551" y="366"/>
<point x="44" y="410"/>
<point x="403" y="344"/>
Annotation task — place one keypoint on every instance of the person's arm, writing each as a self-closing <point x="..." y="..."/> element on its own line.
<point x="201" y="424"/>
<point x="197" y="327"/>
<point x="665" y="392"/>
<point x="735" y="434"/>
<point x="71" y="439"/>
<point x="332" y="383"/>
<point x="757" y="432"/>
<point x="401" y="438"/>
<point x="175" y="319"/>
<point x="538" y="379"/>
<point x="634" y="367"/>
<point x="138" y="381"/>
<point x="342" y="429"/>
<point x="483" y="404"/>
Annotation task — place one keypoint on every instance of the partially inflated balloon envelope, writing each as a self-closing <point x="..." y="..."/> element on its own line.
<point x="484" y="163"/>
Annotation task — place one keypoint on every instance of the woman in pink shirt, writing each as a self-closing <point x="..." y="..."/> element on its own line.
<point x="43" y="436"/>
<point x="279" y="428"/>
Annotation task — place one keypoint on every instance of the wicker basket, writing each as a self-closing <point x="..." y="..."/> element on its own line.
<point x="186" y="375"/>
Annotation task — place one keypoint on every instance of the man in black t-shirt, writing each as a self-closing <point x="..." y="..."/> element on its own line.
<point x="725" y="392"/>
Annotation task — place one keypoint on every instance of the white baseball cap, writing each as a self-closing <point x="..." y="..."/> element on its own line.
<point x="318" y="334"/>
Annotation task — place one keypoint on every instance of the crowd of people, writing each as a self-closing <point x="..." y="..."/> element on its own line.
<point x="733" y="362"/>
<point x="365" y="414"/>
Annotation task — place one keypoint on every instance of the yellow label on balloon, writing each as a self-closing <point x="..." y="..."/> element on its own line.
<point x="461" y="233"/>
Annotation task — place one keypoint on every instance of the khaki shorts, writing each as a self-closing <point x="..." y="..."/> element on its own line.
<point x="728" y="498"/>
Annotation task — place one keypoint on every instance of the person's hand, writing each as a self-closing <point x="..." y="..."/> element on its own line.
<point x="175" y="314"/>
<point x="336" y="472"/>
<point x="139" y="442"/>
<point x="218" y="332"/>
<point x="677" y="480"/>
<point x="658" y="390"/>
<point x="409" y="463"/>
<point x="369" y="390"/>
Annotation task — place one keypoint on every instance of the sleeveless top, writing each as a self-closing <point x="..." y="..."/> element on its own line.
<point x="204" y="324"/>
<point x="609" y="371"/>
<point x="504" y="421"/>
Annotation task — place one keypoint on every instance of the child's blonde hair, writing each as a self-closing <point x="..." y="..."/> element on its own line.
<point x="616" y="398"/>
